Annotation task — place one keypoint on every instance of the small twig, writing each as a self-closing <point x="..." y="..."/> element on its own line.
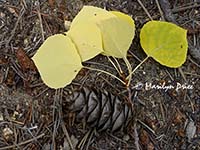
<point x="29" y="130"/>
<point x="146" y="11"/>
<point x="24" y="3"/>
<point x="160" y="10"/>
<point x="40" y="20"/>
<point x="136" y="57"/>
<point x="99" y="64"/>
<point x="42" y="92"/>
<point x="191" y="103"/>
<point x="118" y="139"/>
<point x="63" y="124"/>
<point x="176" y="10"/>
<point x="145" y="125"/>
<point x="192" y="61"/>
<point x="84" y="139"/>
<point x="138" y="66"/>
<point x="130" y="97"/>
<point x="182" y="74"/>
<point x="90" y="138"/>
<point x="136" y="137"/>
<point x="109" y="83"/>
<point x="56" y="119"/>
<point x="191" y="74"/>
<point x="22" y="143"/>
<point x="162" y="111"/>
<point x="36" y="85"/>
<point x="67" y="135"/>
<point x="165" y="6"/>
<point x="194" y="49"/>
<point x="15" y="27"/>
<point x="18" y="71"/>
<point x="169" y="74"/>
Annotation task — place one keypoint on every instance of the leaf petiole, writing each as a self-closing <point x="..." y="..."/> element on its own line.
<point x="103" y="71"/>
<point x="137" y="67"/>
<point x="116" y="68"/>
<point x="129" y="67"/>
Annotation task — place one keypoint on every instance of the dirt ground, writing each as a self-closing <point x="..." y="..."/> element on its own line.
<point x="34" y="117"/>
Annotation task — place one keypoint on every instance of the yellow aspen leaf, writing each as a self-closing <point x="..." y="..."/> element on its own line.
<point x="165" y="42"/>
<point x="117" y="29"/>
<point x="58" y="61"/>
<point x="87" y="38"/>
<point x="125" y="17"/>
<point x="117" y="34"/>
<point x="91" y="13"/>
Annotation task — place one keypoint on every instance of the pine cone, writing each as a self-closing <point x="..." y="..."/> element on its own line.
<point x="100" y="109"/>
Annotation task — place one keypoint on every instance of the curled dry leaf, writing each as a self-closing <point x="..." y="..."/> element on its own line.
<point x="24" y="61"/>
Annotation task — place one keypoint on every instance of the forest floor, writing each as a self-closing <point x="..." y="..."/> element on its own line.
<point x="34" y="117"/>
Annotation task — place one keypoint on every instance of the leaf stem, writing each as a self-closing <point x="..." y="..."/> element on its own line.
<point x="137" y="67"/>
<point x="103" y="71"/>
<point x="129" y="67"/>
<point x="118" y="70"/>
